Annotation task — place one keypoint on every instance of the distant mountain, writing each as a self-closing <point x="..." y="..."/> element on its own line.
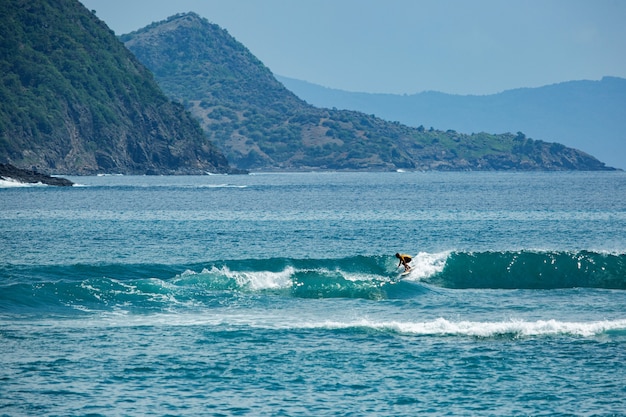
<point x="587" y="115"/>
<point x="261" y="125"/>
<point x="74" y="100"/>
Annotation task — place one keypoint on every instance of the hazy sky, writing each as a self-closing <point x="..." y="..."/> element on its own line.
<point x="409" y="46"/>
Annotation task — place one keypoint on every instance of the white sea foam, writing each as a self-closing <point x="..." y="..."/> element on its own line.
<point x="323" y="320"/>
<point x="263" y="280"/>
<point x="516" y="328"/>
<point x="253" y="280"/>
<point x="426" y="264"/>
<point x="441" y="327"/>
<point x="12" y="183"/>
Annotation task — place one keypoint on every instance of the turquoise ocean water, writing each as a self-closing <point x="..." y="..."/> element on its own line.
<point x="279" y="294"/>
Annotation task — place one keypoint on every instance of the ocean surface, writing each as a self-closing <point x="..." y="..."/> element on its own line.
<point x="279" y="294"/>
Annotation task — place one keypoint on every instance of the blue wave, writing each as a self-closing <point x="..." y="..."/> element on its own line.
<point x="533" y="270"/>
<point x="156" y="286"/>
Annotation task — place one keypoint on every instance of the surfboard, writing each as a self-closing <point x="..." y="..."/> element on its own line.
<point x="405" y="273"/>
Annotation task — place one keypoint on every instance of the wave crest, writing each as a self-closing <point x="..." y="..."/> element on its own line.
<point x="533" y="270"/>
<point x="365" y="277"/>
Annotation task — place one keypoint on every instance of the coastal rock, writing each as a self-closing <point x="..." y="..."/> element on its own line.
<point x="9" y="172"/>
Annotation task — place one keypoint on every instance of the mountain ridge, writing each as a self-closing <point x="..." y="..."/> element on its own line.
<point x="261" y="125"/>
<point x="584" y="114"/>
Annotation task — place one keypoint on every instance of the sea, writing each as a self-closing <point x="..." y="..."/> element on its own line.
<point x="278" y="294"/>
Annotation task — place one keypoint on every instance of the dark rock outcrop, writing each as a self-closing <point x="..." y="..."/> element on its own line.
<point x="9" y="172"/>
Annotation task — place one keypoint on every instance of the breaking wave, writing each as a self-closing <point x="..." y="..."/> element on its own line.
<point x="365" y="277"/>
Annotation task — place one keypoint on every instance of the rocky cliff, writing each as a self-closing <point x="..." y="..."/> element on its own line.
<point x="74" y="100"/>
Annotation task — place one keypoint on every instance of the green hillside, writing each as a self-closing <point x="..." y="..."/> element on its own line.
<point x="74" y="100"/>
<point x="260" y="125"/>
<point x="586" y="115"/>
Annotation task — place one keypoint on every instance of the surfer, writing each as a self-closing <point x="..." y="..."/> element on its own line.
<point x="404" y="260"/>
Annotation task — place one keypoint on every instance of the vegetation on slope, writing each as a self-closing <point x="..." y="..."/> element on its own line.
<point x="587" y="115"/>
<point x="74" y="100"/>
<point x="260" y="125"/>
